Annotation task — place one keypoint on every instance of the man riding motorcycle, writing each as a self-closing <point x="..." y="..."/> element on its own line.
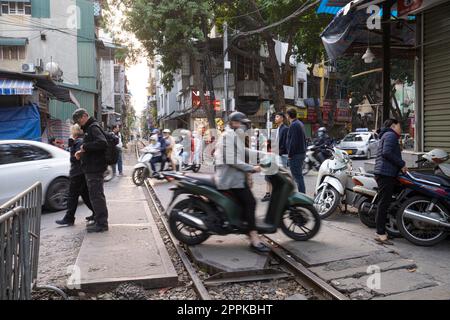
<point x="323" y="140"/>
<point x="232" y="172"/>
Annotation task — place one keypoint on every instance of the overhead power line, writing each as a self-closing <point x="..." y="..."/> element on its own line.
<point x="295" y="14"/>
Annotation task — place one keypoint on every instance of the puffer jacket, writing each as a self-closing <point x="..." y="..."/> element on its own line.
<point x="231" y="168"/>
<point x="389" y="157"/>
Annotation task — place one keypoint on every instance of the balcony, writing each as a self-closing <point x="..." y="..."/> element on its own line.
<point x="247" y="88"/>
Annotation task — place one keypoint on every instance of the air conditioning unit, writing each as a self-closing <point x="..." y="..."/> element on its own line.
<point x="28" y="68"/>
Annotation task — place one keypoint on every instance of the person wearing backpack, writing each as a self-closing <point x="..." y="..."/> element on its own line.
<point x="93" y="155"/>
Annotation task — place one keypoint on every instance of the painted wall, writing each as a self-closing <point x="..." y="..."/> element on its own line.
<point x="60" y="45"/>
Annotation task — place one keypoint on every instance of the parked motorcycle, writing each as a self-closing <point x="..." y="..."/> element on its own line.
<point x="207" y="211"/>
<point x="331" y="183"/>
<point x="424" y="217"/>
<point x="366" y="201"/>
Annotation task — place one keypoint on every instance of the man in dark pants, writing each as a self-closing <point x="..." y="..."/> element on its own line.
<point x="93" y="163"/>
<point x="296" y="148"/>
<point x="387" y="167"/>
<point x="77" y="184"/>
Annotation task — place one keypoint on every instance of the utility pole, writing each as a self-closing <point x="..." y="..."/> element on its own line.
<point x="226" y="69"/>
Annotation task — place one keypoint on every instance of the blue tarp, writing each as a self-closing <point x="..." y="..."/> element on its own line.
<point x="20" y="123"/>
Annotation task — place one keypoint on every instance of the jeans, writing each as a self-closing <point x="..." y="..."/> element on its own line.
<point x="155" y="160"/>
<point x="284" y="160"/>
<point x="119" y="163"/>
<point x="77" y="188"/>
<point x="296" y="165"/>
<point x="386" y="187"/>
<point x="97" y="196"/>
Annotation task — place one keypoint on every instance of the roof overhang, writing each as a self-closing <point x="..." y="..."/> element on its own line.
<point x="43" y="82"/>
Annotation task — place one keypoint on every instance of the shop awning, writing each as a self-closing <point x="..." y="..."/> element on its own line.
<point x="4" y="41"/>
<point x="16" y="87"/>
<point x="43" y="82"/>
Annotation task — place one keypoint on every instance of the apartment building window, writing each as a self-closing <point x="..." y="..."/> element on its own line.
<point x="301" y="87"/>
<point x="12" y="52"/>
<point x="16" y="7"/>
<point x="289" y="77"/>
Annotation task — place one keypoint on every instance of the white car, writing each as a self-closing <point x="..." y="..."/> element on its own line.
<point x="23" y="163"/>
<point x="360" y="144"/>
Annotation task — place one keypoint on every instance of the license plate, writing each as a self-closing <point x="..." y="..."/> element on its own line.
<point x="349" y="151"/>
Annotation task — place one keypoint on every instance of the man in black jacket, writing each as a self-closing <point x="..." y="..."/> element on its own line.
<point x="296" y="148"/>
<point x="93" y="163"/>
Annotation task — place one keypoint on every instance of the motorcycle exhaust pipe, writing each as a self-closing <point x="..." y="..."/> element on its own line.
<point x="419" y="216"/>
<point x="192" y="221"/>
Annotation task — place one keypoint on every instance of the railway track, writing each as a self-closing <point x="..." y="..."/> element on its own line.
<point x="284" y="258"/>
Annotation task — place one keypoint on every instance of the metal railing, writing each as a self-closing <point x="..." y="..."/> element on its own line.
<point x="20" y="230"/>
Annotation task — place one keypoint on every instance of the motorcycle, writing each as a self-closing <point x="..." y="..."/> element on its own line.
<point x="311" y="162"/>
<point x="424" y="217"/>
<point x="331" y="185"/>
<point x="143" y="170"/>
<point x="207" y="211"/>
<point x="366" y="202"/>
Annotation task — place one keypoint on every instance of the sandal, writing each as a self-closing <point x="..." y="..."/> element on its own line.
<point x="385" y="242"/>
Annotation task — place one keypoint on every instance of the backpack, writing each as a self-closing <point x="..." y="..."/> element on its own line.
<point x="111" y="153"/>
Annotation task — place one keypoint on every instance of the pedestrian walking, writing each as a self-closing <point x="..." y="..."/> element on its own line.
<point x="296" y="148"/>
<point x="388" y="165"/>
<point x="77" y="180"/>
<point x="92" y="154"/>
<point x="279" y="147"/>
<point x="116" y="131"/>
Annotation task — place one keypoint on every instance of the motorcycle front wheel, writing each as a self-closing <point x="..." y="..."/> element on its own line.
<point x="306" y="168"/>
<point x="326" y="201"/>
<point x="187" y="234"/>
<point x="300" y="223"/>
<point x="196" y="168"/>
<point x="138" y="176"/>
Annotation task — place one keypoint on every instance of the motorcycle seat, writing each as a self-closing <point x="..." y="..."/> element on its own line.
<point x="444" y="181"/>
<point x="204" y="179"/>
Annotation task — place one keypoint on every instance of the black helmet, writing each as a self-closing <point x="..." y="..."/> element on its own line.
<point x="239" y="116"/>
<point x="78" y="114"/>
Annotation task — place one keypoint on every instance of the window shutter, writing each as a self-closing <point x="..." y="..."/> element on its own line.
<point x="40" y="8"/>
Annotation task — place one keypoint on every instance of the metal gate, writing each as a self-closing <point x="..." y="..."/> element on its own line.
<point x="436" y="77"/>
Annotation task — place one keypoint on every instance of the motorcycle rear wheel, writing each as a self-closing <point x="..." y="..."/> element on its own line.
<point x="420" y="233"/>
<point x="178" y="228"/>
<point x="196" y="167"/>
<point x="297" y="228"/>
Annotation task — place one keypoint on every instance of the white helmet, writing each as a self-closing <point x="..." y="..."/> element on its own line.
<point x="436" y="156"/>
<point x="154" y="137"/>
<point x="166" y="131"/>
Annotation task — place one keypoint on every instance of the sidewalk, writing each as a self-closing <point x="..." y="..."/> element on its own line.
<point x="132" y="250"/>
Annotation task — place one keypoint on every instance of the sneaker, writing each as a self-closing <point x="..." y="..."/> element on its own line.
<point x="65" y="222"/>
<point x="97" y="228"/>
<point x="266" y="197"/>
<point x="90" y="218"/>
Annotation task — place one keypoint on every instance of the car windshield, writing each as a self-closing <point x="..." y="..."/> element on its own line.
<point x="355" y="137"/>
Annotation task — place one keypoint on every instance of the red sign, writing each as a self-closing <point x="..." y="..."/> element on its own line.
<point x="196" y="101"/>
<point x="407" y="6"/>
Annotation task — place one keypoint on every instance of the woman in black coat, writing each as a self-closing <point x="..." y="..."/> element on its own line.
<point x="388" y="165"/>
<point x="78" y="186"/>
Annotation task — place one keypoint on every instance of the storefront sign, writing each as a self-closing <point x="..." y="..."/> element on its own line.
<point x="302" y="113"/>
<point x="196" y="101"/>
